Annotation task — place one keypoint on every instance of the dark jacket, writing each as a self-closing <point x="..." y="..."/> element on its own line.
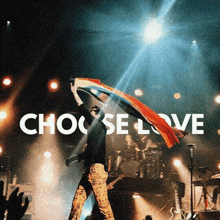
<point x="96" y="140"/>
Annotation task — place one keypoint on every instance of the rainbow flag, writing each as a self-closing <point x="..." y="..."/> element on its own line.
<point x="132" y="106"/>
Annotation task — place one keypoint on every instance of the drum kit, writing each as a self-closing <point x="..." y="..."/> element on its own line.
<point x="145" y="163"/>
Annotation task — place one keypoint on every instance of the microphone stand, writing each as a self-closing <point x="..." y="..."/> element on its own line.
<point x="191" y="176"/>
<point x="72" y="159"/>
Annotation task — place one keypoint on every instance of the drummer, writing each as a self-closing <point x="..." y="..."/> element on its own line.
<point x="130" y="149"/>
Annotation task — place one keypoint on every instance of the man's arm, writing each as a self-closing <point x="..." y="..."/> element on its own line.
<point x="84" y="111"/>
<point x="75" y="94"/>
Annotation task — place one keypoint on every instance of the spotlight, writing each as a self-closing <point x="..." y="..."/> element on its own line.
<point x="153" y="31"/>
<point x="8" y="23"/>
<point x="47" y="154"/>
<point x="138" y="92"/>
<point x="177" y="96"/>
<point x="218" y="165"/>
<point x="217" y="99"/>
<point x="177" y="163"/>
<point x="3" y="115"/>
<point x="53" y="85"/>
<point x="1" y="149"/>
<point x="7" y="81"/>
<point x="136" y="196"/>
<point x="218" y="131"/>
<point x="194" y="42"/>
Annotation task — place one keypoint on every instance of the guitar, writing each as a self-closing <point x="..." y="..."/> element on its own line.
<point x="111" y="185"/>
<point x="176" y="212"/>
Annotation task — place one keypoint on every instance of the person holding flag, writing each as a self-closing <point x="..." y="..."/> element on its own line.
<point x="95" y="175"/>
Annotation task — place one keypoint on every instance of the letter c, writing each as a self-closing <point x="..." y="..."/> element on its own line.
<point x="22" y="124"/>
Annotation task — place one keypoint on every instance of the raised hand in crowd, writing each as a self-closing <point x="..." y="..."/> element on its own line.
<point x="3" y="201"/>
<point x="15" y="208"/>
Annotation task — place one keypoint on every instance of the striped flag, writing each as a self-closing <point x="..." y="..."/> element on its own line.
<point x="132" y="106"/>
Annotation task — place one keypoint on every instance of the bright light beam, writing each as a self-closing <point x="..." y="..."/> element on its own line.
<point x="153" y="31"/>
<point x="165" y="8"/>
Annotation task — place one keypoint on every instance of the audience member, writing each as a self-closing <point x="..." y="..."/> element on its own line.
<point x="14" y="205"/>
<point x="3" y="201"/>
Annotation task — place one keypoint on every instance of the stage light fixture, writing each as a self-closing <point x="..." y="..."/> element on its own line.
<point x="136" y="196"/>
<point x="47" y="154"/>
<point x="3" y="115"/>
<point x="153" y="31"/>
<point x="138" y="92"/>
<point x="176" y="162"/>
<point x="218" y="165"/>
<point x="1" y="149"/>
<point x="7" y="81"/>
<point x="217" y="99"/>
<point x="53" y="85"/>
<point x="194" y="42"/>
<point x="177" y="96"/>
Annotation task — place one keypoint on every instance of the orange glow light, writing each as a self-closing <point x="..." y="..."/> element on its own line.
<point x="177" y="96"/>
<point x="7" y="81"/>
<point x="3" y="115"/>
<point x="53" y="85"/>
<point x="6" y="116"/>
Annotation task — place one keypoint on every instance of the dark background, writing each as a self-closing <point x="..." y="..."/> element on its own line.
<point x="101" y="39"/>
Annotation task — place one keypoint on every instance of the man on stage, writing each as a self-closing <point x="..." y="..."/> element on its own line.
<point x="95" y="176"/>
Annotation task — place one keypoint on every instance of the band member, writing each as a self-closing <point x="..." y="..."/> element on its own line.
<point x="131" y="148"/>
<point x="216" y="191"/>
<point x="95" y="176"/>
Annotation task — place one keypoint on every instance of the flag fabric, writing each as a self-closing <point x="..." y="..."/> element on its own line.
<point x="132" y="106"/>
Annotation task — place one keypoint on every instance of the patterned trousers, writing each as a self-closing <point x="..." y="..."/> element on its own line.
<point x="94" y="181"/>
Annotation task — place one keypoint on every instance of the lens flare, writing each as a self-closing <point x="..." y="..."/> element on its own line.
<point x="153" y="31"/>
